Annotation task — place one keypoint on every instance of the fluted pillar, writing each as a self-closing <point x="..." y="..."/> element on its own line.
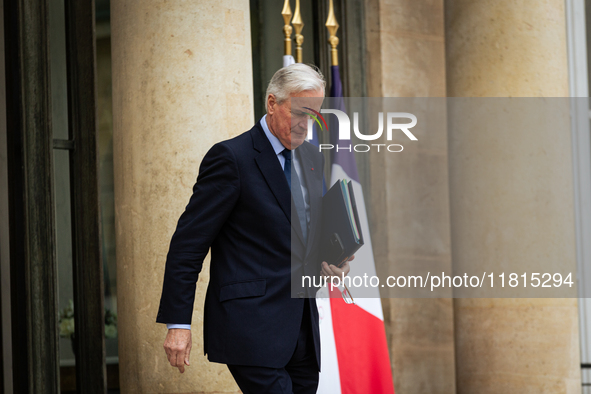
<point x="409" y="195"/>
<point x="504" y="48"/>
<point x="182" y="80"/>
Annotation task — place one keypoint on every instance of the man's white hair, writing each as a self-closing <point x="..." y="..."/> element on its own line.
<point x="294" y="79"/>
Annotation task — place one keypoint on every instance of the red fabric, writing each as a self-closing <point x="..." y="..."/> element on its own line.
<point x="362" y="350"/>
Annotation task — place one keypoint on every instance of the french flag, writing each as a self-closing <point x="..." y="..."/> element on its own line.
<point x="354" y="349"/>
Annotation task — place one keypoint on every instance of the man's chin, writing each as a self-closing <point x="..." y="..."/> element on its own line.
<point x="297" y="140"/>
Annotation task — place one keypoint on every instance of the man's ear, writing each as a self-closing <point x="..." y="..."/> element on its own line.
<point x="271" y="101"/>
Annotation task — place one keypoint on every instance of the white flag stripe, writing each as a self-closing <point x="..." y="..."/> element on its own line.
<point x="288" y="60"/>
<point x="330" y="380"/>
<point x="364" y="260"/>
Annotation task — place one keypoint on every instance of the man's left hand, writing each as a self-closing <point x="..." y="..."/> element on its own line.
<point x="333" y="270"/>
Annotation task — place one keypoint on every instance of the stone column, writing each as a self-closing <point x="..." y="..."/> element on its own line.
<point x="182" y="80"/>
<point x="504" y="48"/>
<point x="409" y="198"/>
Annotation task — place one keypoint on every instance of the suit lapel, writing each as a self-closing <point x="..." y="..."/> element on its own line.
<point x="272" y="172"/>
<point x="314" y="187"/>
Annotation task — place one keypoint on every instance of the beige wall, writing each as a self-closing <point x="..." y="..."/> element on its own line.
<point x="173" y="92"/>
<point x="406" y="58"/>
<point x="505" y="48"/>
<point x="182" y="80"/>
<point x="406" y="48"/>
<point x="485" y="48"/>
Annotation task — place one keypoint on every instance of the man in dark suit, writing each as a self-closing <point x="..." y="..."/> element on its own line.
<point x="254" y="321"/>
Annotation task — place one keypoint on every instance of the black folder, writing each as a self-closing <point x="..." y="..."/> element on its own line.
<point x="341" y="233"/>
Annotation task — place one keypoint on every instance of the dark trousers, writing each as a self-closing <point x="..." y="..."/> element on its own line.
<point x="299" y="376"/>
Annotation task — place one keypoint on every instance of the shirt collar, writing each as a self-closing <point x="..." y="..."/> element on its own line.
<point x="277" y="145"/>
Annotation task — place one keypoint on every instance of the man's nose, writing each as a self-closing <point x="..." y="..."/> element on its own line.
<point x="303" y="122"/>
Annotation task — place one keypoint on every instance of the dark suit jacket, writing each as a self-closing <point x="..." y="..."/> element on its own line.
<point x="240" y="208"/>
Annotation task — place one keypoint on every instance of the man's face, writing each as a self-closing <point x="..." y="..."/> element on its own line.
<point x="288" y="121"/>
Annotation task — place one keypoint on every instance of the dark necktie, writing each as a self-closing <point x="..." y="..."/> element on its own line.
<point x="296" y="191"/>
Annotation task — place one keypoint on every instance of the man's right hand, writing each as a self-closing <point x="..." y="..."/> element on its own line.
<point x="177" y="346"/>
